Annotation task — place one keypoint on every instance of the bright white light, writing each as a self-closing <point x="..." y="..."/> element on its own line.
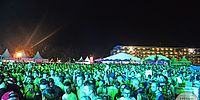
<point x="191" y="50"/>
<point x="19" y="54"/>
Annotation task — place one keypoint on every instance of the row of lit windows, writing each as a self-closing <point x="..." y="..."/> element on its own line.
<point x="132" y="48"/>
<point x="159" y="51"/>
<point x="153" y="52"/>
<point x="148" y="48"/>
<point x="166" y="53"/>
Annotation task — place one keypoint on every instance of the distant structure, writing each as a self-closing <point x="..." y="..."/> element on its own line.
<point x="192" y="54"/>
<point x="21" y="57"/>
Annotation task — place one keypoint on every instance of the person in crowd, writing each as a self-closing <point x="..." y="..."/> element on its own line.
<point x="120" y="79"/>
<point x="2" y="85"/>
<point x="68" y="95"/>
<point x="10" y="95"/>
<point x="155" y="93"/>
<point x="59" y="81"/>
<point x="12" y="86"/>
<point x="46" y="92"/>
<point x="142" y="92"/>
<point x="112" y="90"/>
<point x="21" y="85"/>
<point x="30" y="93"/>
<point x="80" y="85"/>
<point x="30" y="81"/>
<point x="108" y="81"/>
<point x="126" y="94"/>
<point x="101" y="90"/>
<point x="37" y="78"/>
<point x="135" y="87"/>
<point x="57" y="91"/>
<point x="85" y="98"/>
<point x="89" y="90"/>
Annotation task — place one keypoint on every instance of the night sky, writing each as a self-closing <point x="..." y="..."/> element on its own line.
<point x="94" y="27"/>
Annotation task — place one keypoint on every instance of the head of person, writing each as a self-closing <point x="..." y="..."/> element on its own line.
<point x="99" y="98"/>
<point x="44" y="75"/>
<point x="87" y="76"/>
<point x="52" y="72"/>
<point x="67" y="75"/>
<point x="135" y="83"/>
<point x="29" y="79"/>
<point x="162" y="78"/>
<point x="154" y="86"/>
<point x="61" y="78"/>
<point x="111" y="78"/>
<point x="117" y="84"/>
<point x="51" y="82"/>
<point x="35" y="74"/>
<point x="28" y="73"/>
<point x="85" y="98"/>
<point x="67" y="87"/>
<point x="101" y="83"/>
<point x="132" y="74"/>
<point x="11" y="80"/>
<point x="119" y="78"/>
<point x="31" y="87"/>
<point x="20" y="84"/>
<point x="80" y="79"/>
<point x="1" y="78"/>
<point x="43" y="84"/>
<point x="10" y="95"/>
<point x="89" y="88"/>
<point x="126" y="92"/>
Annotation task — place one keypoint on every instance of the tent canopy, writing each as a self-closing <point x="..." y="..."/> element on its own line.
<point x="174" y="60"/>
<point x="23" y="54"/>
<point x="81" y="59"/>
<point x="122" y="56"/>
<point x="37" y="55"/>
<point x="184" y="59"/>
<point x="6" y="54"/>
<point x="87" y="59"/>
<point x="159" y="57"/>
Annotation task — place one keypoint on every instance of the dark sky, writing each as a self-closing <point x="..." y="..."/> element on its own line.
<point x="96" y="26"/>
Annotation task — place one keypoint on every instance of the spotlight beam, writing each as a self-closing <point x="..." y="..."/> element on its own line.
<point x="52" y="33"/>
<point x="35" y="31"/>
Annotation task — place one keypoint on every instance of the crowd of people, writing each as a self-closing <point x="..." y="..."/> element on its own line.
<point x="60" y="81"/>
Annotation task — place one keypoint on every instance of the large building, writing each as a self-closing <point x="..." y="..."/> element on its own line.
<point x="192" y="54"/>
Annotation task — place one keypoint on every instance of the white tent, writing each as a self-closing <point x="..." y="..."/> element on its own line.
<point x="6" y="54"/>
<point x="38" y="58"/>
<point x="81" y="59"/>
<point x="87" y="59"/>
<point x="23" y="54"/>
<point x="121" y="58"/>
<point x="37" y="55"/>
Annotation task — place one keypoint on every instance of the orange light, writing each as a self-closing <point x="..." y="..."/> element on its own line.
<point x="19" y="55"/>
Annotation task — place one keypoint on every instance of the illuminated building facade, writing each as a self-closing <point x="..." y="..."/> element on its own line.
<point x="192" y="54"/>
